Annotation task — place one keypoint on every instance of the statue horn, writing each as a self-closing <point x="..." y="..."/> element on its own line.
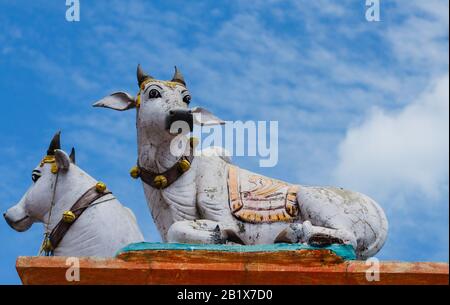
<point x="72" y="155"/>
<point x="54" y="144"/>
<point x="141" y="75"/>
<point x="178" y="77"/>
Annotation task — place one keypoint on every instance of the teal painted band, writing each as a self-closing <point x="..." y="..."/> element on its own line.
<point x="346" y="252"/>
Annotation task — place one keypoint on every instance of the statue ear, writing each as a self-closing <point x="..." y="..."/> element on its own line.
<point x="205" y="118"/>
<point x="72" y="155"/>
<point x="62" y="160"/>
<point x="118" y="101"/>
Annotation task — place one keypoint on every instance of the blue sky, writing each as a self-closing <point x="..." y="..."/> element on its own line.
<point x="361" y="105"/>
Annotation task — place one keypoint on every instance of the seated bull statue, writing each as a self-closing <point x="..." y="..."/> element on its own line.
<point x="80" y="215"/>
<point x="203" y="198"/>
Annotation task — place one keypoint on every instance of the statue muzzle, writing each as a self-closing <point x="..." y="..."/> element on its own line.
<point x="179" y="115"/>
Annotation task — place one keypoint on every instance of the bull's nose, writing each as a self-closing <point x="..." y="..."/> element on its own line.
<point x="179" y="115"/>
<point x="4" y="214"/>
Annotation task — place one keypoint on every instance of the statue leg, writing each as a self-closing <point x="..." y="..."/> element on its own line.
<point x="355" y="218"/>
<point x="201" y="231"/>
<point x="315" y="235"/>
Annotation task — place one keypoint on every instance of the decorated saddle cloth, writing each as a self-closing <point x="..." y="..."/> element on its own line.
<point x="258" y="199"/>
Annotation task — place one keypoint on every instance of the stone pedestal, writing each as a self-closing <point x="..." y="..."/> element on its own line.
<point x="158" y="264"/>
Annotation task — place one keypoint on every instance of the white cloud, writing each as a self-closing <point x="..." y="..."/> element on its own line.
<point x="419" y="39"/>
<point x="392" y="153"/>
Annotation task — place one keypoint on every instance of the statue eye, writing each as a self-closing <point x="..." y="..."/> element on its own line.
<point x="35" y="176"/>
<point x="187" y="99"/>
<point x="154" y="93"/>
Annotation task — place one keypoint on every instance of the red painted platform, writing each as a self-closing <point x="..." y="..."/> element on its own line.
<point x="300" y="267"/>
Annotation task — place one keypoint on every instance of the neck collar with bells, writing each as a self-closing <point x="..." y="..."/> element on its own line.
<point x="166" y="178"/>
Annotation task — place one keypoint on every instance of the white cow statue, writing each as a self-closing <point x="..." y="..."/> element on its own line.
<point x="80" y="215"/>
<point x="206" y="199"/>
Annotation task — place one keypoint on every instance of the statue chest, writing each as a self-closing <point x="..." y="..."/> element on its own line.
<point x="174" y="203"/>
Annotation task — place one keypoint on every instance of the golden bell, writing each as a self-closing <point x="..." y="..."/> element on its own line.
<point x="54" y="168"/>
<point x="68" y="216"/>
<point x="184" y="165"/>
<point x="193" y="142"/>
<point x="160" y="181"/>
<point x="47" y="245"/>
<point x="135" y="172"/>
<point x="100" y="187"/>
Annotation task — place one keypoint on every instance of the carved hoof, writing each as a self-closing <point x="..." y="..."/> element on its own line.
<point x="285" y="236"/>
<point x="323" y="240"/>
<point x="226" y="236"/>
<point x="218" y="236"/>
<point x="289" y="235"/>
<point x="232" y="238"/>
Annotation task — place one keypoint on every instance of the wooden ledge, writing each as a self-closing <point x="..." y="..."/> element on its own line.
<point x="216" y="267"/>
